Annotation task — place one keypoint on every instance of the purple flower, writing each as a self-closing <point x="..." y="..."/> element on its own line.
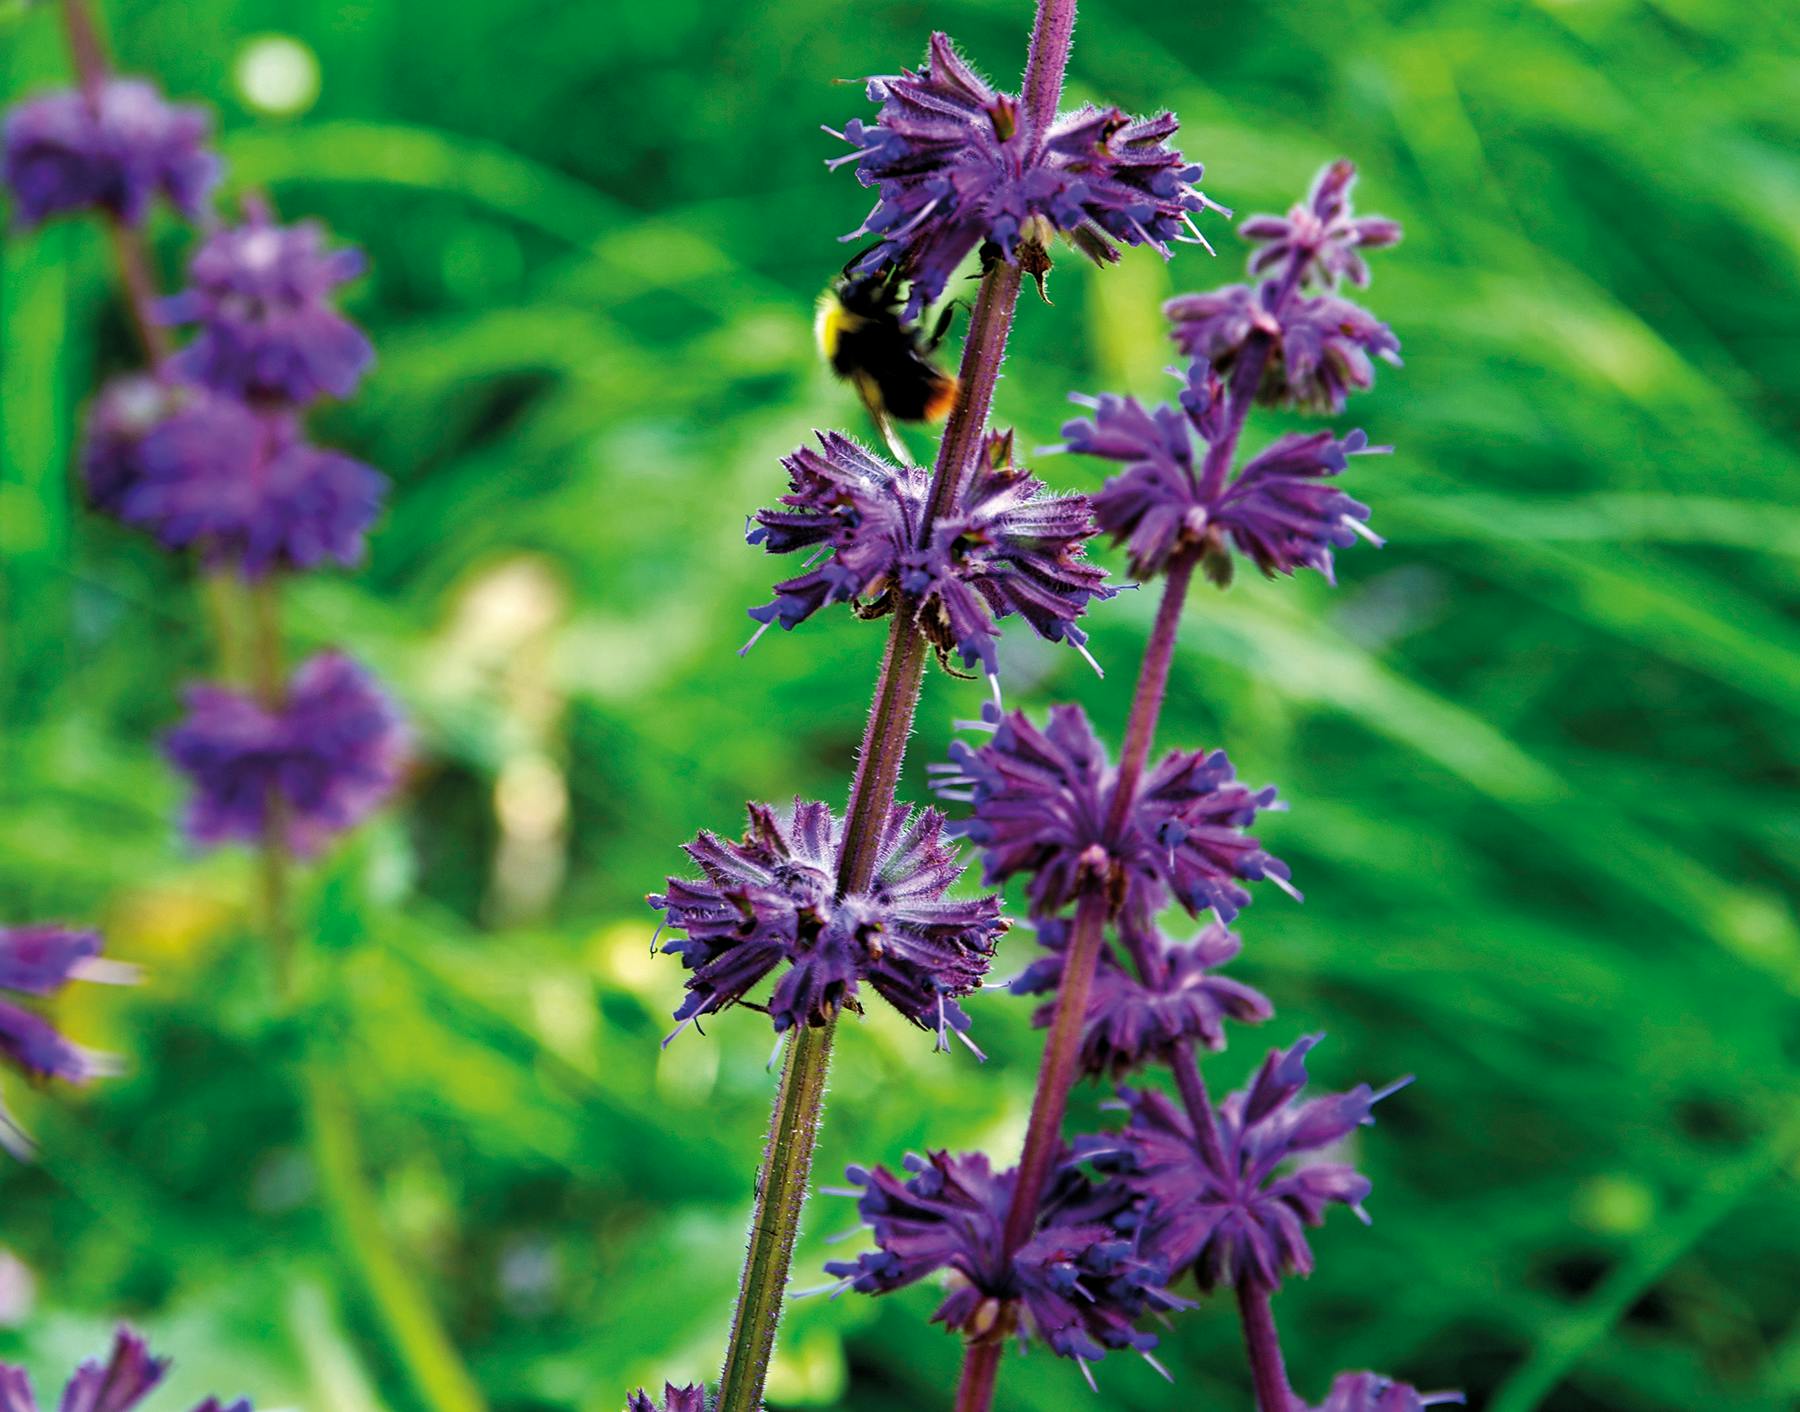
<point x="1320" y="238"/>
<point x="1320" y="347"/>
<point x="1044" y="806"/>
<point x="1079" y="1284"/>
<point x="1279" y="510"/>
<point x="1370" y="1392"/>
<point x="328" y="756"/>
<point x="1005" y="547"/>
<point x="128" y="1376"/>
<point x="36" y="962"/>
<point x="675" y="1399"/>
<point x="956" y="164"/>
<point x="261" y="295"/>
<point x="1247" y="1220"/>
<point x="771" y="899"/>
<point x="1133" y="1017"/>
<point x="112" y="152"/>
<point x="201" y="470"/>
<point x="1326" y="352"/>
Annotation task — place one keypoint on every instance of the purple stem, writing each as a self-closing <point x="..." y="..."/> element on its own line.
<point x="980" y="1371"/>
<point x="1263" y="1344"/>
<point x="1183" y="1059"/>
<point x="1152" y="685"/>
<point x="1048" y="60"/>
<point x="88" y="53"/>
<point x="1062" y="1047"/>
<point x="1056" y="1076"/>
<point x="983" y="351"/>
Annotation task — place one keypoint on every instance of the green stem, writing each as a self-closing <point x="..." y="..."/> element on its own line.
<point x="431" y="1362"/>
<point x="781" y="1194"/>
<point x="404" y="1309"/>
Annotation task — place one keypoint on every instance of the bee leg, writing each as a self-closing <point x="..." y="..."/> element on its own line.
<point x="884" y="425"/>
<point x="941" y="329"/>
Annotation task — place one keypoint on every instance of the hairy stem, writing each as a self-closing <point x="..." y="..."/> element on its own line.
<point x="780" y="1196"/>
<point x="1057" y="1075"/>
<point x="1263" y="1344"/>
<point x="980" y="1371"/>
<point x="1152" y="686"/>
<point x="1183" y="1059"/>
<point x="883" y="751"/>
<point x="266" y="679"/>
<point x="1045" y="65"/>
<point x="1191" y="1084"/>
<point x="983" y="351"/>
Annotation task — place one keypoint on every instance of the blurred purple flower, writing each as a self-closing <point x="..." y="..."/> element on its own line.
<point x="1247" y="1220"/>
<point x="956" y="164"/>
<point x="329" y="755"/>
<point x="771" y="900"/>
<point x="1079" y="1284"/>
<point x="1134" y="1019"/>
<point x="1278" y="509"/>
<point x="1320" y="238"/>
<point x="1320" y="347"/>
<point x="128" y="1376"/>
<point x="261" y="296"/>
<point x="1005" y="547"/>
<point x="113" y="152"/>
<point x="201" y="470"/>
<point x="36" y="962"/>
<point x="1044" y="804"/>
<point x="1370" y="1392"/>
<point x="675" y="1399"/>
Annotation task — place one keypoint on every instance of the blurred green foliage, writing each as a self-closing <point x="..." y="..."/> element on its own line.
<point x="1541" y="750"/>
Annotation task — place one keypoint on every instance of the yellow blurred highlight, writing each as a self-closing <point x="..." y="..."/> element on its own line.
<point x="621" y="952"/>
<point x="165" y="922"/>
<point x="1614" y="1204"/>
<point x="277" y="74"/>
<point x="810" y="1370"/>
<point x="562" y="1010"/>
<point x="688" y="1069"/>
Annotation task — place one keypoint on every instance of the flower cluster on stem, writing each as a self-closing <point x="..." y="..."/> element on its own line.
<point x="206" y="450"/>
<point x="1189" y="1190"/>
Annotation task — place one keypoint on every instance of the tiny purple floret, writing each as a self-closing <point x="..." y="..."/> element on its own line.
<point x="1281" y="510"/>
<point x="691" y="1398"/>
<point x="128" y="1376"/>
<point x="1133" y="1018"/>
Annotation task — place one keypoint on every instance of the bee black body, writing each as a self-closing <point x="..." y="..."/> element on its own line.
<point x="868" y="344"/>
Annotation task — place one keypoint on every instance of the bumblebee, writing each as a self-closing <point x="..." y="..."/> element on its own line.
<point x="888" y="361"/>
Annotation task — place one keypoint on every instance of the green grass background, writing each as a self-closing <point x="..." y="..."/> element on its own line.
<point x="1540" y="751"/>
